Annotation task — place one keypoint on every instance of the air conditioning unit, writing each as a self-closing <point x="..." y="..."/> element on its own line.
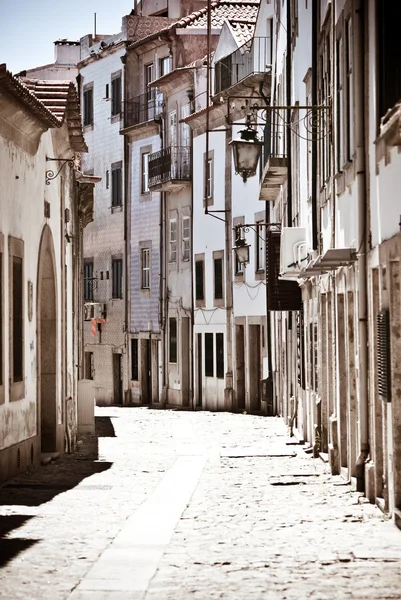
<point x="294" y="252"/>
<point x="91" y="311"/>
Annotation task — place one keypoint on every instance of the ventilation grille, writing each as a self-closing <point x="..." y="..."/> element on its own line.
<point x="281" y="295"/>
<point x="383" y="355"/>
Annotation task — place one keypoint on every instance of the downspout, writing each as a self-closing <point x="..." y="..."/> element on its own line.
<point x="269" y="326"/>
<point x="163" y="278"/>
<point x="192" y="265"/>
<point x="127" y="235"/>
<point x="290" y="390"/>
<point x="359" y="49"/>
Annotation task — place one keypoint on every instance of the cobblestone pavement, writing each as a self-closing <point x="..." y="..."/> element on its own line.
<point x="266" y="521"/>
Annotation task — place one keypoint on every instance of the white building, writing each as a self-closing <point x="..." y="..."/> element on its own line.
<point x="43" y="213"/>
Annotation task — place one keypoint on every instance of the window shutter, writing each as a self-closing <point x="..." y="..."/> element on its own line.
<point x="383" y="355"/>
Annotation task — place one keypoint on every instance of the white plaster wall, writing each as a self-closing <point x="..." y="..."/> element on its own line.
<point x="22" y="195"/>
<point x="209" y="235"/>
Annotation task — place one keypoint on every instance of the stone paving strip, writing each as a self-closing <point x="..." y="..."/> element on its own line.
<point x="196" y="506"/>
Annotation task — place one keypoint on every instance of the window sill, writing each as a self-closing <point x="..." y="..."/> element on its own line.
<point x="115" y="118"/>
<point x="117" y="209"/>
<point x="88" y="127"/>
<point x="218" y="302"/>
<point x="260" y="274"/>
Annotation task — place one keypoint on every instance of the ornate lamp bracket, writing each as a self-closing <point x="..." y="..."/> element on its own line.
<point x="50" y="174"/>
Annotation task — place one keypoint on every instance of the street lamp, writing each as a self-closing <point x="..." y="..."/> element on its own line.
<point x="241" y="248"/>
<point x="246" y="152"/>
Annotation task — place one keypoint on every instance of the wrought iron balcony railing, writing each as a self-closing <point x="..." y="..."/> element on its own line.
<point x="255" y="56"/>
<point x="143" y="108"/>
<point x="169" y="165"/>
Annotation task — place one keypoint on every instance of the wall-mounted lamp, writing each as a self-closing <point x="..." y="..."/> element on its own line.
<point x="241" y="248"/>
<point x="246" y="152"/>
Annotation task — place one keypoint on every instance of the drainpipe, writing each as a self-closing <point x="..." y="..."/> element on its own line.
<point x="290" y="389"/>
<point x="363" y="425"/>
<point x="127" y="239"/>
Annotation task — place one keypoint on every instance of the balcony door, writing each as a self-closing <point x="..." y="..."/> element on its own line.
<point x="149" y="93"/>
<point x="173" y="143"/>
<point x="185" y="141"/>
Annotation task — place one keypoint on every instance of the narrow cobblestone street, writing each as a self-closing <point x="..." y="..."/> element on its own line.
<point x="170" y="505"/>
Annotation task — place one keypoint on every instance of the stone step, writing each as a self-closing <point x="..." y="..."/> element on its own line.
<point x="47" y="457"/>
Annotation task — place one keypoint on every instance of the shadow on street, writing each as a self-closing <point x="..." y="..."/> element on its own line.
<point x="42" y="484"/>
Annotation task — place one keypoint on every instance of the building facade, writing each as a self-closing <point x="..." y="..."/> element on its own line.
<point x="43" y="214"/>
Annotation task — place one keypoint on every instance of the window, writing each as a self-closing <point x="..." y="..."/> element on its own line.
<point x="117" y="273"/>
<point x="89" y="370"/>
<point x="259" y="247"/>
<point x="173" y="240"/>
<point x="148" y="75"/>
<point x="324" y="99"/>
<point x="88" y="105"/>
<point x="116" y="185"/>
<point x="209" y="178"/>
<point x="145" y="268"/>
<point x="107" y="179"/>
<point x="164" y="66"/>
<point x="134" y="360"/>
<point x="209" y="362"/>
<point x="218" y="257"/>
<point x="145" y="172"/>
<point x="186" y="233"/>
<point x="116" y="95"/>
<point x="199" y="279"/>
<point x="349" y="102"/>
<point x="208" y="174"/>
<point x="389" y="52"/>
<point x="220" y="355"/>
<point x="16" y="311"/>
<point x="339" y="111"/>
<point x="88" y="280"/>
<point x="173" y="340"/>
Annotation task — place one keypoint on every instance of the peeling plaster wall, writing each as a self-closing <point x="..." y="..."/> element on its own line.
<point x="22" y="195"/>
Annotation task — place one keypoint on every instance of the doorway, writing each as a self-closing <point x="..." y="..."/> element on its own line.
<point x="254" y="368"/>
<point x="146" y="372"/>
<point x="240" y="365"/>
<point x="47" y="344"/>
<point x="117" y="379"/>
<point x="199" y="369"/>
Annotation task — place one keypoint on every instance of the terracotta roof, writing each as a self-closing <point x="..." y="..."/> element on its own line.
<point x="61" y="99"/>
<point x="242" y="30"/>
<point x="16" y="88"/>
<point x="221" y="10"/>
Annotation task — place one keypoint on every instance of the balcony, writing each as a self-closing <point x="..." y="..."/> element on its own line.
<point x="274" y="172"/>
<point x="247" y="66"/>
<point x="142" y="109"/>
<point x="170" y="169"/>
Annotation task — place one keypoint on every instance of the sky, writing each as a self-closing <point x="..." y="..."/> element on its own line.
<point x="28" y="28"/>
